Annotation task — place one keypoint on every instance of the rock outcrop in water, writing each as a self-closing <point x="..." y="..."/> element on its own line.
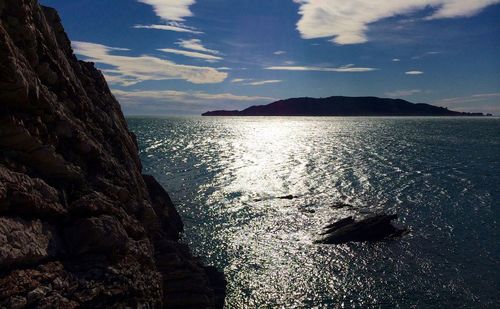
<point x="342" y="106"/>
<point x="79" y="224"/>
<point x="373" y="228"/>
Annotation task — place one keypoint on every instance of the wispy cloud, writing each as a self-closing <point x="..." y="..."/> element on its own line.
<point x="130" y="70"/>
<point x="402" y="93"/>
<point x="190" y="54"/>
<point x="184" y="96"/>
<point x="239" y="80"/>
<point x="482" y="102"/>
<point x="414" y="73"/>
<point x="346" y="22"/>
<point x="473" y="98"/>
<point x="171" y="10"/>
<point x="425" y="55"/>
<point x="279" y="52"/>
<point x="196" y="44"/>
<point x="253" y="82"/>
<point x="343" y="69"/>
<point x="396" y="60"/>
<point x="264" y="82"/>
<point x="170" y="27"/>
<point x="156" y="102"/>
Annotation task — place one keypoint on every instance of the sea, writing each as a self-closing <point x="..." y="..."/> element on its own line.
<point x="441" y="176"/>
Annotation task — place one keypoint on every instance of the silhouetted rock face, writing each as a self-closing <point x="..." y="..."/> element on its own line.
<point x="342" y="106"/>
<point x="373" y="228"/>
<point x="79" y="224"/>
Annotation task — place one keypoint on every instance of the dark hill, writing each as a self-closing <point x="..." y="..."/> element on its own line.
<point x="342" y="106"/>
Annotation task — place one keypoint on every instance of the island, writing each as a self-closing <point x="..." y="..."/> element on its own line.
<point x="342" y="106"/>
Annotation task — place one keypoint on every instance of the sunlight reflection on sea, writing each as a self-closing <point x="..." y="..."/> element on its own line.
<point x="440" y="175"/>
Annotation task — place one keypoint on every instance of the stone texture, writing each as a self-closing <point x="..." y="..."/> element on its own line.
<point x="80" y="226"/>
<point x="21" y="194"/>
<point x="25" y="242"/>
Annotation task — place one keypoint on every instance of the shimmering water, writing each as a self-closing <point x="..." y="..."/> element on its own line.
<point x="440" y="175"/>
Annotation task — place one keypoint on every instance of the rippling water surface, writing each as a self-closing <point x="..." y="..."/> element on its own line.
<point x="440" y="175"/>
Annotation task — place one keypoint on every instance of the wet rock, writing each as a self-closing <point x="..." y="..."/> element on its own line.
<point x="373" y="228"/>
<point x="284" y="197"/>
<point x="332" y="227"/>
<point x="287" y="197"/>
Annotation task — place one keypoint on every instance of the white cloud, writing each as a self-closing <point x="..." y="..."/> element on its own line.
<point x="264" y="82"/>
<point x="224" y="69"/>
<point x="171" y="10"/>
<point x="346" y="22"/>
<point x="173" y="13"/>
<point x="195" y="44"/>
<point x="190" y="54"/>
<point x="279" y="52"/>
<point x="177" y="27"/>
<point x="130" y="70"/>
<point x="239" y="80"/>
<point x="343" y="69"/>
<point x="459" y="8"/>
<point x="396" y="60"/>
<point x="414" y="72"/>
<point x="403" y="93"/>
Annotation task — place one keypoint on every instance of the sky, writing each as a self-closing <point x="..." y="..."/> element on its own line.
<point x="185" y="57"/>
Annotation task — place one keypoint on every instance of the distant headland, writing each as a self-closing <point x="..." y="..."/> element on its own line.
<point x="343" y="106"/>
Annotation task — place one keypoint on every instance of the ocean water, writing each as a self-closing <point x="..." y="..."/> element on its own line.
<point x="440" y="175"/>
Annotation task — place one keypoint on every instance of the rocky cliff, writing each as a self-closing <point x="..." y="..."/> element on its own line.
<point x="79" y="224"/>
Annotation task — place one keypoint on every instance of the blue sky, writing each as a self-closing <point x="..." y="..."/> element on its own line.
<point x="190" y="56"/>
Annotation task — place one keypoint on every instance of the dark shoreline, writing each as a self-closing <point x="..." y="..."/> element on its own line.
<point x="345" y="107"/>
